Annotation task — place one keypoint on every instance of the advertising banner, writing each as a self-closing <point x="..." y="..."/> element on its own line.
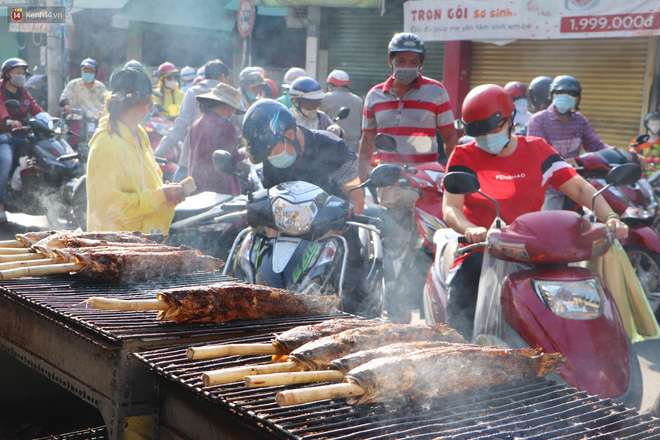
<point x="447" y="20"/>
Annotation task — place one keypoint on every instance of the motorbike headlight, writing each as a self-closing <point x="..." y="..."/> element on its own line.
<point x="579" y="300"/>
<point x="294" y="219"/>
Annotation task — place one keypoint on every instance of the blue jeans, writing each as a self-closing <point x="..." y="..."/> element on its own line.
<point x="7" y="147"/>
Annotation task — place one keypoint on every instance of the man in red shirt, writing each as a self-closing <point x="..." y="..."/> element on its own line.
<point x="516" y="171"/>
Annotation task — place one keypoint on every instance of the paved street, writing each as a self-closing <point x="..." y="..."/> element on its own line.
<point x="648" y="352"/>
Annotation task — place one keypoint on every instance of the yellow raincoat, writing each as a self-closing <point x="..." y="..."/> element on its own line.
<point x="171" y="100"/>
<point x="124" y="183"/>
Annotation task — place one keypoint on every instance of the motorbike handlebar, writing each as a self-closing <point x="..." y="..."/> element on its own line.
<point x="462" y="239"/>
<point x="66" y="157"/>
<point x="234" y="206"/>
<point x="367" y="220"/>
<point x="161" y="160"/>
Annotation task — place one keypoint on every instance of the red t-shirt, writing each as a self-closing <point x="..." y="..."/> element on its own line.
<point x="518" y="181"/>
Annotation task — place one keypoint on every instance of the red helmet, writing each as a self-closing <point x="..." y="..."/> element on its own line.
<point x="516" y="90"/>
<point x="166" y="68"/>
<point x="484" y="108"/>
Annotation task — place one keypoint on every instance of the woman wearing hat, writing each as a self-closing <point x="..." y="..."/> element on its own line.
<point x="125" y="190"/>
<point x="214" y="131"/>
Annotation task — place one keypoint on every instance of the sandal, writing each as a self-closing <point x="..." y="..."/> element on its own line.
<point x="3" y="217"/>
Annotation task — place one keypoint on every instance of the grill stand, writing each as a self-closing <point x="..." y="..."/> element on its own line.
<point x="89" y="369"/>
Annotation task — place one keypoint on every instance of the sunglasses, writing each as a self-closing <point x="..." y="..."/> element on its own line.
<point x="567" y="92"/>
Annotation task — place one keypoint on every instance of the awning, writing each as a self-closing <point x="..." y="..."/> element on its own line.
<point x="324" y="3"/>
<point x="232" y="5"/>
<point x="202" y="16"/>
<point x="99" y="4"/>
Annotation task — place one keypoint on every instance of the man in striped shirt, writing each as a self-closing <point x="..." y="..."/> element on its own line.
<point x="411" y="108"/>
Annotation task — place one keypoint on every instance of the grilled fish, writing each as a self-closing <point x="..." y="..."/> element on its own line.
<point x="235" y="300"/>
<point x="436" y="372"/>
<point x="316" y="355"/>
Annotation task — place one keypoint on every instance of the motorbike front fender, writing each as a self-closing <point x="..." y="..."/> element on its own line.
<point x="596" y="350"/>
<point x="642" y="236"/>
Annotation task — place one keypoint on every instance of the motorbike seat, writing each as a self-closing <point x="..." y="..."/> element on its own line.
<point x="198" y="204"/>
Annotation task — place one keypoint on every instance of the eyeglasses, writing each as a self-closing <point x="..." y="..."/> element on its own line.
<point x="567" y="92"/>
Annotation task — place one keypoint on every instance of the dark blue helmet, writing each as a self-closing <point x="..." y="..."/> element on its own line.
<point x="306" y="87"/>
<point x="264" y="126"/>
<point x="538" y="92"/>
<point x="88" y="62"/>
<point x="406" y="42"/>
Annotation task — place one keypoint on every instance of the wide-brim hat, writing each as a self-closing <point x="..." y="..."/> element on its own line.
<point x="132" y="83"/>
<point x="225" y="94"/>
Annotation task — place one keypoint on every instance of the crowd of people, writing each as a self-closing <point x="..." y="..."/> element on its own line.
<point x="296" y="138"/>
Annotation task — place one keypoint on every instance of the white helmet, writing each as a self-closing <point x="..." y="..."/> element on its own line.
<point x="339" y="78"/>
<point x="188" y="73"/>
<point x="293" y="73"/>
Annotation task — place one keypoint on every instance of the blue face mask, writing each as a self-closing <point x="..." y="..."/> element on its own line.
<point x="250" y="96"/>
<point x="563" y="103"/>
<point x="283" y="159"/>
<point x="493" y="143"/>
<point x="88" y="77"/>
<point x="149" y="114"/>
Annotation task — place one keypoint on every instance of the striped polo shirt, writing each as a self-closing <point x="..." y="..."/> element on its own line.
<point x="412" y="121"/>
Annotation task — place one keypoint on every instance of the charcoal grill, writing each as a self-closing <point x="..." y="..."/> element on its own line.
<point x="46" y="326"/>
<point x="533" y="409"/>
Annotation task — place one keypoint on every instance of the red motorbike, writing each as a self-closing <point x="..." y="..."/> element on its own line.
<point x="638" y="208"/>
<point x="409" y="254"/>
<point x="530" y="295"/>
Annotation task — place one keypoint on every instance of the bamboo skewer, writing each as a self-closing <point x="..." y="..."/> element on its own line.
<point x="216" y="351"/>
<point x="14" y="251"/>
<point x="41" y="262"/>
<point x="40" y="270"/>
<point x="127" y="304"/>
<point x="324" y="392"/>
<point x="229" y="375"/>
<point x="23" y="257"/>
<point x="12" y="244"/>
<point x="296" y="377"/>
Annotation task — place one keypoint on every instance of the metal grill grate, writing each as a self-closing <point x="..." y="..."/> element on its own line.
<point x="529" y="409"/>
<point x="62" y="298"/>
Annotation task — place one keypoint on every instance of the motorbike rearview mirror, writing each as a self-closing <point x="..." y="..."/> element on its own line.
<point x="64" y="102"/>
<point x="159" y="108"/>
<point x="385" y="142"/>
<point x="343" y="113"/>
<point x="625" y="174"/>
<point x="224" y="162"/>
<point x="384" y="175"/>
<point x="12" y="104"/>
<point x="460" y="182"/>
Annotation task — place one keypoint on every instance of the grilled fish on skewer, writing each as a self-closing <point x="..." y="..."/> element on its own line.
<point x="431" y="373"/>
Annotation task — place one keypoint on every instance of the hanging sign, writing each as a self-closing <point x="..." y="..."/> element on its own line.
<point x="246" y="16"/>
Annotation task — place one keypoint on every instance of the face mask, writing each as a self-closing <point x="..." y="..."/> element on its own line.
<point x="149" y="114"/>
<point x="88" y="77"/>
<point x="171" y="84"/>
<point x="493" y="143"/>
<point x="17" y="80"/>
<point x="250" y="96"/>
<point x="406" y="75"/>
<point x="284" y="159"/>
<point x="521" y="105"/>
<point x="653" y="127"/>
<point x="563" y="103"/>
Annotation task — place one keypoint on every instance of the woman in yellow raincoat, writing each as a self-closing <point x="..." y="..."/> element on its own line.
<point x="125" y="190"/>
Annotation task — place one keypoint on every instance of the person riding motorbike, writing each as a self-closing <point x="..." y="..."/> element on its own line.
<point x="125" y="190"/>
<point x="513" y="169"/>
<point x="251" y="82"/>
<point x="306" y="96"/>
<point x="338" y="96"/>
<point x="518" y="92"/>
<point x="538" y="93"/>
<point x="85" y="93"/>
<point x="291" y="152"/>
<point x="12" y="143"/>
<point x="187" y="77"/>
<point x="290" y="76"/>
<point x="168" y="86"/>
<point x="648" y="145"/>
<point x="567" y="130"/>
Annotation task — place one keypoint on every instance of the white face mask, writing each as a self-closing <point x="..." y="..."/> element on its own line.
<point x="521" y="105"/>
<point x="171" y="84"/>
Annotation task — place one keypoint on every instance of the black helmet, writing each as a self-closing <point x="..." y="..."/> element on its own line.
<point x="538" y="92"/>
<point x="88" y="62"/>
<point x="14" y="62"/>
<point x="264" y="126"/>
<point x="565" y="83"/>
<point x="406" y="42"/>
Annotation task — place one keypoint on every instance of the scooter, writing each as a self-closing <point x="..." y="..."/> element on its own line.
<point x="84" y="122"/>
<point x="296" y="238"/>
<point x="638" y="208"/>
<point x="409" y="254"/>
<point x="530" y="295"/>
<point x="42" y="180"/>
